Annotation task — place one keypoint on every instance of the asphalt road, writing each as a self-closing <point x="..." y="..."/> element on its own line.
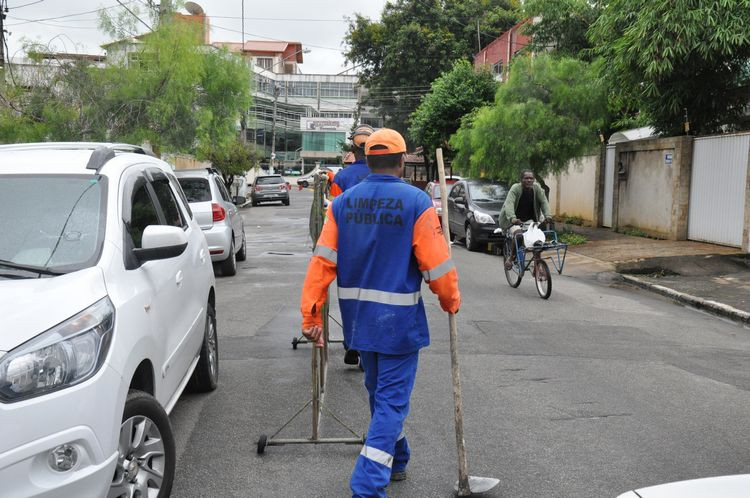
<point x="597" y="391"/>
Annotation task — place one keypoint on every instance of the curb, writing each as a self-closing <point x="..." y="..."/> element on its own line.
<point x="714" y="307"/>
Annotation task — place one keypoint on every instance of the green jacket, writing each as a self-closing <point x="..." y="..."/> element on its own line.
<point x="541" y="206"/>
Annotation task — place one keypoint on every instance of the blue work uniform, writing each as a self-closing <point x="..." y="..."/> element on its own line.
<point x="383" y="313"/>
<point x="381" y="239"/>
<point x="349" y="177"/>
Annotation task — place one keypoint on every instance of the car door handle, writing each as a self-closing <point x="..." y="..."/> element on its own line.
<point x="178" y="278"/>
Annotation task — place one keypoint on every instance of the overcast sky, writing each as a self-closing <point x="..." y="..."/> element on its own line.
<point x="318" y="24"/>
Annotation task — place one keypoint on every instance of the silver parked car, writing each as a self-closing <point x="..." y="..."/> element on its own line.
<point x="269" y="188"/>
<point x="218" y="216"/>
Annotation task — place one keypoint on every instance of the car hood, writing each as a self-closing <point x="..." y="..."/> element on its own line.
<point x="492" y="208"/>
<point x="735" y="486"/>
<point x="31" y="306"/>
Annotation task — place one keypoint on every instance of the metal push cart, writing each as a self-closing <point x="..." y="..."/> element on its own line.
<point x="555" y="251"/>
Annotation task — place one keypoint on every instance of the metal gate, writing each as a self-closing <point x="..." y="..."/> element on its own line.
<point x="609" y="186"/>
<point x="717" y="189"/>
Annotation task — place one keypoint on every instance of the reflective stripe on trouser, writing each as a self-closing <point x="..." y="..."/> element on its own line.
<point x="389" y="380"/>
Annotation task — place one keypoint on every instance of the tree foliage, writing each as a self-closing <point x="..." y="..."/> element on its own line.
<point x="414" y="42"/>
<point x="547" y="113"/>
<point x="666" y="58"/>
<point x="453" y="95"/>
<point x="174" y="92"/>
<point x="234" y="159"/>
<point x="561" y="26"/>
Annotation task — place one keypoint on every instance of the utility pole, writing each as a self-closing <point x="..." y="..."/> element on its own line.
<point x="276" y="91"/>
<point x="3" y="12"/>
<point x="243" y="24"/>
<point x="479" y="43"/>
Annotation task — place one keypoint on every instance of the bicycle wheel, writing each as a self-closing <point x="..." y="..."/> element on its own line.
<point x="513" y="275"/>
<point x="542" y="278"/>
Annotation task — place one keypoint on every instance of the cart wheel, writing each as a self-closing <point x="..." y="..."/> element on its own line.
<point x="294" y="342"/>
<point x="262" y="441"/>
<point x="543" y="279"/>
<point x="513" y="275"/>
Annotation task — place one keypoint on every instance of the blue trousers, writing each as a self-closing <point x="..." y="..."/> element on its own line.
<point x="389" y="380"/>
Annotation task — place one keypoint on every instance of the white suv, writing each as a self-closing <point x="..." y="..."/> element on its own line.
<point x="107" y="301"/>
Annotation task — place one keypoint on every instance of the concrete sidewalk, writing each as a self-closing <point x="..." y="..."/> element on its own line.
<point x="707" y="276"/>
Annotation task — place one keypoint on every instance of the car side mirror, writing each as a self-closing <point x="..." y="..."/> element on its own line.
<point x="239" y="200"/>
<point x="460" y="200"/>
<point x="161" y="242"/>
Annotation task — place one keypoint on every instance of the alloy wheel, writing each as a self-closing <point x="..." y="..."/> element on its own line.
<point x="141" y="460"/>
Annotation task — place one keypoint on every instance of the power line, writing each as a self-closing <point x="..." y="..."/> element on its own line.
<point x="27" y="21"/>
<point x="277" y="19"/>
<point x="135" y="15"/>
<point x="27" y="4"/>
<point x="273" y="39"/>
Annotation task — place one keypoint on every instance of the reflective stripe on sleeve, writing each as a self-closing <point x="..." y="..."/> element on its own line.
<point x="377" y="455"/>
<point x="438" y="271"/>
<point x="382" y="297"/>
<point x="326" y="253"/>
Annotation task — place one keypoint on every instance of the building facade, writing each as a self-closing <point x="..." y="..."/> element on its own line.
<point x="499" y="53"/>
<point x="301" y="119"/>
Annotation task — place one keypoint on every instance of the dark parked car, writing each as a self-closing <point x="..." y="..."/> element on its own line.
<point x="473" y="210"/>
<point x="269" y="188"/>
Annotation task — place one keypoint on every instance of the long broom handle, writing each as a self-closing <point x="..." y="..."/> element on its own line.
<point x="458" y="414"/>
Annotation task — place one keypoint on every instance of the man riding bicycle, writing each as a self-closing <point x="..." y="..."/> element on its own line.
<point x="526" y="202"/>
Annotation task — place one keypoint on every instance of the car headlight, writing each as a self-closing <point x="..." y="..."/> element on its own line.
<point x="65" y="355"/>
<point x="483" y="218"/>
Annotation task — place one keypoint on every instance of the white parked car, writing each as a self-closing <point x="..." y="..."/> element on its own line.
<point x="734" y="486"/>
<point x="217" y="215"/>
<point x="107" y="298"/>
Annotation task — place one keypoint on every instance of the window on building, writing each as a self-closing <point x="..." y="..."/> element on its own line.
<point x="374" y="122"/>
<point x="327" y="141"/>
<point x="303" y="89"/>
<point x="264" y="62"/>
<point x="340" y="90"/>
<point x="497" y="69"/>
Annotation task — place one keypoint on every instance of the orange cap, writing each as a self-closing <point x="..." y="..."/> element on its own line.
<point x="385" y="141"/>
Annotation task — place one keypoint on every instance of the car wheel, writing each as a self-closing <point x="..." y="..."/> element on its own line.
<point x="229" y="265"/>
<point x="146" y="451"/>
<point x="254" y="203"/>
<point x="242" y="253"/>
<point x="286" y="202"/>
<point x="471" y="241"/>
<point x="206" y="374"/>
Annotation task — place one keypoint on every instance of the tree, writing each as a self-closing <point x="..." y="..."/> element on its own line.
<point x="414" y="42"/>
<point x="668" y="59"/>
<point x="548" y="112"/>
<point x="452" y="95"/>
<point x="561" y="25"/>
<point x="236" y="158"/>
<point x="174" y="92"/>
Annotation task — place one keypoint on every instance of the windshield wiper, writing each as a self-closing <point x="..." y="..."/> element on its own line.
<point x="31" y="268"/>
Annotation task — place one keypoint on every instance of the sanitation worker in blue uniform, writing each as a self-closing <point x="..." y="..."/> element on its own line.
<point x="381" y="239"/>
<point x="358" y="170"/>
<point x="343" y="181"/>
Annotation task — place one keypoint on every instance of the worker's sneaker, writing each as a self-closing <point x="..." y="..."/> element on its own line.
<point x="351" y="357"/>
<point x="398" y="475"/>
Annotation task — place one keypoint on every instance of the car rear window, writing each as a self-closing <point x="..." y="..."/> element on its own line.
<point x="196" y="189"/>
<point x="269" y="180"/>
